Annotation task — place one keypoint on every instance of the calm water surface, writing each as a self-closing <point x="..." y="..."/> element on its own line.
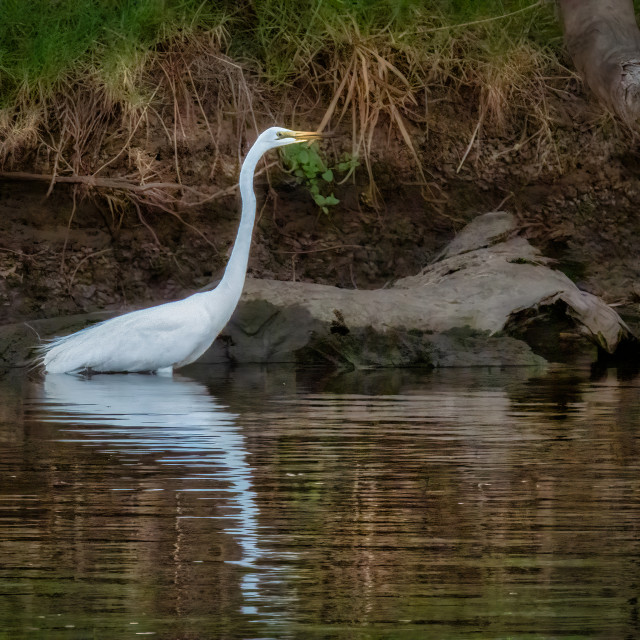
<point x="278" y="504"/>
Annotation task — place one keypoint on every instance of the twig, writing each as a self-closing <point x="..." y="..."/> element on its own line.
<point x="26" y="324"/>
<point x="187" y="224"/>
<point x="92" y="181"/>
<point x="509" y="195"/>
<point x="56" y="162"/>
<point x="214" y="142"/>
<point x="83" y="260"/>
<point x="145" y="223"/>
<point x="124" y="185"/>
<point x="66" y="237"/>
<point x="336" y="247"/>
<point x="126" y="144"/>
<point x="466" y="153"/>
<point x="539" y="3"/>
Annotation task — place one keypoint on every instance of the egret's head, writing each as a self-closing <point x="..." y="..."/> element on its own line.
<point x="279" y="137"/>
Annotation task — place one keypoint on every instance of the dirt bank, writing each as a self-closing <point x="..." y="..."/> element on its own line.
<point x="572" y="181"/>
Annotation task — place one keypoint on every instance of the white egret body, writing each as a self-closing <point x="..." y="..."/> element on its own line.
<point x="171" y="335"/>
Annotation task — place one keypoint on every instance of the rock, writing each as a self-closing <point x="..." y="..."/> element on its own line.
<point x="450" y="314"/>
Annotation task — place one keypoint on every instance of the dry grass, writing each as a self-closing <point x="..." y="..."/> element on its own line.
<point x="88" y="132"/>
<point x="364" y="85"/>
<point x="362" y="67"/>
<point x="390" y="73"/>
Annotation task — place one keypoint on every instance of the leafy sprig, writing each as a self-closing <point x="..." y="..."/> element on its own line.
<point x="307" y="165"/>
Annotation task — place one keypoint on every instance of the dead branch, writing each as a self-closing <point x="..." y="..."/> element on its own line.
<point x="139" y="190"/>
<point x="99" y="183"/>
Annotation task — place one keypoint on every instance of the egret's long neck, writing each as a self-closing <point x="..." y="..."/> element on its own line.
<point x="237" y="266"/>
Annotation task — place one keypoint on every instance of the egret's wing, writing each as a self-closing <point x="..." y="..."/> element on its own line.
<point x="148" y="339"/>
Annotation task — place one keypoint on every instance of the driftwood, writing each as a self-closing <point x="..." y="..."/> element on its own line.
<point x="481" y="281"/>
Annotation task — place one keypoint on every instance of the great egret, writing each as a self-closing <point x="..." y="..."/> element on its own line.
<point x="171" y="335"/>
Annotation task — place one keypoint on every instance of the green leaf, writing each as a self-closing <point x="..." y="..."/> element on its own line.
<point x="331" y="200"/>
<point x="327" y="176"/>
<point x="348" y="163"/>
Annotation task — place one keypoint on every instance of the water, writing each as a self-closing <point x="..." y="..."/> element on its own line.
<point x="278" y="504"/>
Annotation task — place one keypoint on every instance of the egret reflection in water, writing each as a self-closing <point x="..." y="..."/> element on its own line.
<point x="177" y="420"/>
<point x="453" y="504"/>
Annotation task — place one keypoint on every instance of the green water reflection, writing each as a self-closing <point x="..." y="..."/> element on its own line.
<point x="255" y="503"/>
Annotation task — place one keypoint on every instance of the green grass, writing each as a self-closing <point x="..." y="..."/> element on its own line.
<point x="45" y="44"/>
<point x="285" y="28"/>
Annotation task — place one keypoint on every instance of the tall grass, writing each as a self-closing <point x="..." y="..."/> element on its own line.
<point x="284" y="34"/>
<point x="374" y="59"/>
<point x="45" y="44"/>
<point x="364" y="60"/>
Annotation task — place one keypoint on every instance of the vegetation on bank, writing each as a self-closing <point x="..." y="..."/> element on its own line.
<point x="72" y="70"/>
<point x="44" y="44"/>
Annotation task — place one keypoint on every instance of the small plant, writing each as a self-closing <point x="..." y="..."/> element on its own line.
<point x="307" y="165"/>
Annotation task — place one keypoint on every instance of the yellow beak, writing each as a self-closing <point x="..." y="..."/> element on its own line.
<point x="306" y="136"/>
